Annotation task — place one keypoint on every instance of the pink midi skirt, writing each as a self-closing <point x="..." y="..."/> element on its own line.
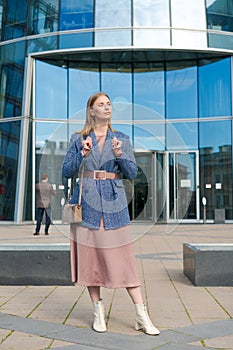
<point x="102" y="258"/>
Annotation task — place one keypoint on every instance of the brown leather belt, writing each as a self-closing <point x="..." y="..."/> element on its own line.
<point x="100" y="175"/>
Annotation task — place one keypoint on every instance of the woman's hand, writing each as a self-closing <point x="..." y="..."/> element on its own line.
<point x="87" y="146"/>
<point x="116" y="147"/>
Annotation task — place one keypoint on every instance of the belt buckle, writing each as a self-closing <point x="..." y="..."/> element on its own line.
<point x="102" y="175"/>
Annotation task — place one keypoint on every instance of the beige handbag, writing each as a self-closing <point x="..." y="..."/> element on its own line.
<point x="72" y="213"/>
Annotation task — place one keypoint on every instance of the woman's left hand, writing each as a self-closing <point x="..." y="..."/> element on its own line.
<point x="116" y="147"/>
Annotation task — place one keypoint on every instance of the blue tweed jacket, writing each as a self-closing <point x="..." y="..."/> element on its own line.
<point x="105" y="198"/>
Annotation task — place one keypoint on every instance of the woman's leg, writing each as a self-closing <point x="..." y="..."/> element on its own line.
<point x="142" y="318"/>
<point x="99" y="324"/>
<point x="94" y="293"/>
<point x="135" y="294"/>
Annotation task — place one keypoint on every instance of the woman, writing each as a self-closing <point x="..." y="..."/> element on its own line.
<point x="101" y="252"/>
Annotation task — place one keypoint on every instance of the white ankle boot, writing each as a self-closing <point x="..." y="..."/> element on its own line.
<point x="99" y="324"/>
<point x="143" y="321"/>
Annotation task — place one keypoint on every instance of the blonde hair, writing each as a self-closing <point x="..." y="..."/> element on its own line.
<point x="90" y="121"/>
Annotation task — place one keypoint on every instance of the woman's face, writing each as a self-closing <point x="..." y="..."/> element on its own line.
<point x="102" y="110"/>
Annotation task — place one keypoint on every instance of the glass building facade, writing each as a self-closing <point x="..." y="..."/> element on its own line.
<point x="167" y="66"/>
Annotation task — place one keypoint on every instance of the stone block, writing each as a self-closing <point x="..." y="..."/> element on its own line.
<point x="208" y="264"/>
<point x="35" y="264"/>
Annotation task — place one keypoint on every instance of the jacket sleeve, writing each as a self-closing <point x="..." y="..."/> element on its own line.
<point x="127" y="161"/>
<point x="73" y="158"/>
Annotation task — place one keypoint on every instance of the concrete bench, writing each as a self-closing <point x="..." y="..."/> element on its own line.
<point x="208" y="264"/>
<point x="35" y="264"/>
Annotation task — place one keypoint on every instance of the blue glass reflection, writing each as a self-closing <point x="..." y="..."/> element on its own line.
<point x="51" y="92"/>
<point x="9" y="149"/>
<point x="11" y="78"/>
<point x="76" y="14"/>
<point x="82" y="83"/>
<point x="76" y="40"/>
<point x="182" y="136"/>
<point x="181" y="91"/>
<point x="219" y="15"/>
<point x="215" y="89"/>
<point x="43" y="16"/>
<point x="149" y="93"/>
<point x="215" y="134"/>
<point x="15" y="21"/>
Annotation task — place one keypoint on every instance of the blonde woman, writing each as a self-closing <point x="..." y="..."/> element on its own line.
<point x="101" y="251"/>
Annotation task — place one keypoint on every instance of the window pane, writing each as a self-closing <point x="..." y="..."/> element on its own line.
<point x="76" y="14"/>
<point x="151" y="37"/>
<point x="182" y="136"/>
<point x="51" y="91"/>
<point x="220" y="15"/>
<point x="11" y="79"/>
<point x="51" y="146"/>
<point x="83" y="80"/>
<point x="181" y="90"/>
<point x="188" y="14"/>
<point x="117" y="83"/>
<point x="216" y="166"/>
<point x="113" y="38"/>
<point x="43" y="16"/>
<point x="215" y="89"/>
<point x="149" y="92"/>
<point x="112" y="13"/>
<point x="42" y="44"/>
<point x="76" y="40"/>
<point x="15" y="19"/>
<point x="151" y="13"/>
<point x="220" y="41"/>
<point x="9" y="148"/>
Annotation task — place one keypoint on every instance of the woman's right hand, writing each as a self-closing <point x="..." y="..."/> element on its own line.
<point x="87" y="146"/>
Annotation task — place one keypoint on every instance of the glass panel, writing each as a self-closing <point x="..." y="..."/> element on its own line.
<point x="216" y="166"/>
<point x="76" y="40"/>
<point x="215" y="89"/>
<point x="181" y="90"/>
<point x="149" y="136"/>
<point x="43" y="16"/>
<point x="116" y="81"/>
<point x="186" y="185"/>
<point x="151" y="38"/>
<point x="171" y="172"/>
<point x="161" y="188"/>
<point x="194" y="18"/>
<point x="113" y="38"/>
<point x="182" y="186"/>
<point x="11" y="79"/>
<point x="189" y="39"/>
<point x="51" y="146"/>
<point x="42" y="44"/>
<point x="83" y="80"/>
<point x="15" y="19"/>
<point x="1" y="12"/>
<point x="142" y="206"/>
<point x="9" y="148"/>
<point x="149" y="106"/>
<point x="182" y="136"/>
<point x="220" y="15"/>
<point x="51" y="91"/>
<point x="76" y="14"/>
<point x="220" y="41"/>
<point x="28" y="205"/>
<point x="151" y="13"/>
<point x="112" y="13"/>
<point x="149" y="92"/>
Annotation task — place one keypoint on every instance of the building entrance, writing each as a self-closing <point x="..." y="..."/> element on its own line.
<point x="167" y="187"/>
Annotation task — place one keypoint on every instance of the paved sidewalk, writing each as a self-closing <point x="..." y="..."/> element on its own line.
<point x="60" y="317"/>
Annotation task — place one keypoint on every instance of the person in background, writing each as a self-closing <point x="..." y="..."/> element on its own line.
<point x="44" y="191"/>
<point x="101" y="249"/>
